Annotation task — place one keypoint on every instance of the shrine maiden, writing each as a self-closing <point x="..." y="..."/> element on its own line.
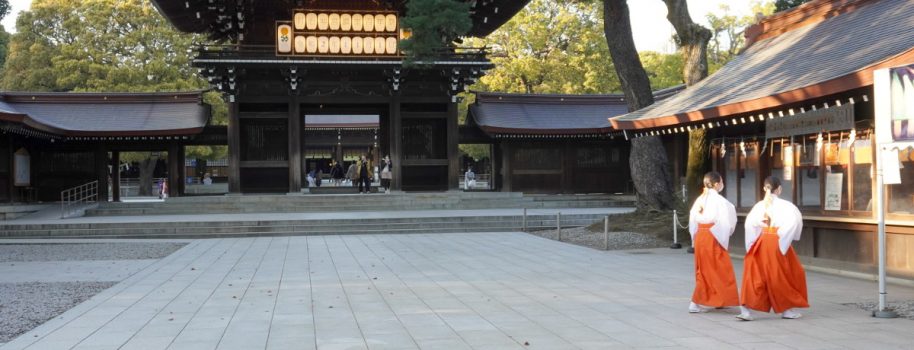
<point x="711" y="222"/>
<point x="773" y="278"/>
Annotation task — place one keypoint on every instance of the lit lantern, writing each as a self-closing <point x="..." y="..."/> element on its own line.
<point x="311" y="21"/>
<point x="346" y="22"/>
<point x="300" y="20"/>
<point x="391" y="45"/>
<point x="300" y="44"/>
<point x="334" y="44"/>
<point x="368" y="23"/>
<point x="323" y="21"/>
<point x="284" y="38"/>
<point x="311" y="44"/>
<point x="379" y="23"/>
<point x="368" y="45"/>
<point x="334" y="21"/>
<point x="357" y="45"/>
<point x="379" y="45"/>
<point x="323" y="44"/>
<point x="357" y="22"/>
<point x="391" y="23"/>
<point x="405" y="33"/>
<point x="345" y="45"/>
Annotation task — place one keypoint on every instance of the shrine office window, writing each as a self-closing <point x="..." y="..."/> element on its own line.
<point x="900" y="198"/>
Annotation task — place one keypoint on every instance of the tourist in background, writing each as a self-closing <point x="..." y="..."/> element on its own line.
<point x="365" y="174"/>
<point x="386" y="174"/>
<point x="469" y="179"/>
<point x="336" y="173"/>
<point x="773" y="278"/>
<point x="712" y="221"/>
<point x="353" y="174"/>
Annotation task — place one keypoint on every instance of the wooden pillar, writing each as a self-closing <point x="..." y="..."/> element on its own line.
<point x="505" y="166"/>
<point x="175" y="179"/>
<point x="395" y="131"/>
<point x="182" y="171"/>
<point x="234" y="149"/>
<point x="101" y="172"/>
<point x="453" y="138"/>
<point x="116" y="176"/>
<point x="568" y="160"/>
<point x="295" y="146"/>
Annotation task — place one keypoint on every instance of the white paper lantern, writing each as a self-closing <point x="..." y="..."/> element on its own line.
<point x="391" y="24"/>
<point x="379" y="45"/>
<point x="311" y="44"/>
<point x="323" y="44"/>
<point x="334" y="21"/>
<point x="357" y="45"/>
<point x="345" y="45"/>
<point x="300" y="20"/>
<point x="346" y="22"/>
<point x="323" y="21"/>
<point x="357" y="22"/>
<point x="379" y="23"/>
<point x="368" y="23"/>
<point x="300" y="44"/>
<point x="311" y="21"/>
<point x="284" y="38"/>
<point x="334" y="44"/>
<point x="368" y="45"/>
<point x="391" y="45"/>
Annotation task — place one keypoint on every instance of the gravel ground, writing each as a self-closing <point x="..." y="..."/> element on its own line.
<point x="617" y="240"/>
<point x="24" y="306"/>
<point x="904" y="308"/>
<point x="87" y="251"/>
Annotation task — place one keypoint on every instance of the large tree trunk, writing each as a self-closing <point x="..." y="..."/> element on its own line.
<point x="648" y="161"/>
<point x="693" y="45"/>
<point x="147" y="167"/>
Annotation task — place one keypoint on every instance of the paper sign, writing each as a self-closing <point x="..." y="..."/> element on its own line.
<point x="891" y="173"/>
<point x="834" y="183"/>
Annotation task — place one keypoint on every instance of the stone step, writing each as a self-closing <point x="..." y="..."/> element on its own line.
<point x="287" y="227"/>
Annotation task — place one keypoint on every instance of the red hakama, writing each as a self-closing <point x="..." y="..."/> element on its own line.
<point x="772" y="280"/>
<point x="715" y="283"/>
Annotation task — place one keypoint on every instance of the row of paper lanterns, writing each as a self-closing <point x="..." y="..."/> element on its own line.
<point x="340" y="45"/>
<point x="345" y="22"/>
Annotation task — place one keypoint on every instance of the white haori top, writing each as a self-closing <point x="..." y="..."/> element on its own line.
<point x="712" y="208"/>
<point x="784" y="215"/>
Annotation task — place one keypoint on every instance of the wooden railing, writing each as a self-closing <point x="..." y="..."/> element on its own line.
<point x="71" y="197"/>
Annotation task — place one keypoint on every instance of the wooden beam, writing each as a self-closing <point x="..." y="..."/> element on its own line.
<point x="174" y="170"/>
<point x="453" y="135"/>
<point x="396" y="154"/>
<point x="116" y="176"/>
<point x="101" y="172"/>
<point x="295" y="146"/>
<point x="234" y="149"/>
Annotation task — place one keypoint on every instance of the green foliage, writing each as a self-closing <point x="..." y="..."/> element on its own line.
<point x="781" y="5"/>
<point x="435" y="24"/>
<point x="98" y="45"/>
<point x="664" y="70"/>
<point x="475" y="150"/>
<point x="551" y="47"/>
<point x="728" y="29"/>
<point x="4" y="8"/>
<point x="104" y="45"/>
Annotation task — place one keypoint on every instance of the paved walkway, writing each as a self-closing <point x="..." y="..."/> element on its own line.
<point x="442" y="291"/>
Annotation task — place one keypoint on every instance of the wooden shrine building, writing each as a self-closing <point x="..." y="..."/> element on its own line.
<point x="282" y="60"/>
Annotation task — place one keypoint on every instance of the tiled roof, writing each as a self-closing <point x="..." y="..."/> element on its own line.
<point x="830" y="56"/>
<point x="107" y="114"/>
<point x="502" y="113"/>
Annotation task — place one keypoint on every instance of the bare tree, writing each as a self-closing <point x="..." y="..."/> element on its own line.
<point x="648" y="162"/>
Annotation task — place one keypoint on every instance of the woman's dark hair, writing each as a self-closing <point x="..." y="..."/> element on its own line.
<point x="711" y="179"/>
<point x="772" y="184"/>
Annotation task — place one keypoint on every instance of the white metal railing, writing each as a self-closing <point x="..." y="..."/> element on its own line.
<point x="69" y="198"/>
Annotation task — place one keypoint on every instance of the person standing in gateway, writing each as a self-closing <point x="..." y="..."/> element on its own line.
<point x="365" y="174"/>
<point x="773" y="277"/>
<point x="712" y="221"/>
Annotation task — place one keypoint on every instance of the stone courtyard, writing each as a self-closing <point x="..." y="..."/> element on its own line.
<point x="442" y="291"/>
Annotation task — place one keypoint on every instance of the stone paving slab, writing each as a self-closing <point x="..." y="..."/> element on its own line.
<point x="442" y="291"/>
